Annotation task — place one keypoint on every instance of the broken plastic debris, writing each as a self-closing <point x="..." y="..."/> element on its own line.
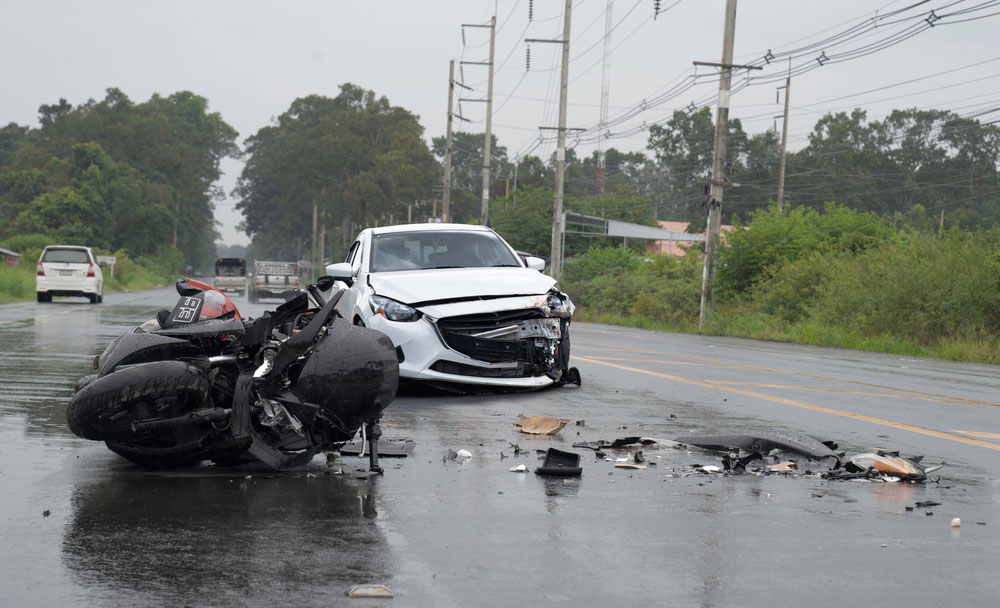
<point x="558" y="462"/>
<point x="890" y="462"/>
<point x="782" y="467"/>
<point x="463" y="454"/>
<point x="519" y="469"/>
<point x="956" y="523"/>
<point x="764" y="442"/>
<point x="369" y="591"/>
<point x="629" y="465"/>
<point x="540" y="425"/>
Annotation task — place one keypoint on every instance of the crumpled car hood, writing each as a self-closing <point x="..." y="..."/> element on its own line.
<point x="425" y="286"/>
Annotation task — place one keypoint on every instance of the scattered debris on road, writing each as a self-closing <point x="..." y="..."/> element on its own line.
<point x="560" y="463"/>
<point x="400" y="448"/>
<point x="375" y="591"/>
<point x="540" y="425"/>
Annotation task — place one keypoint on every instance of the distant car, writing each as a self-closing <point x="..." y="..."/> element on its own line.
<point x="459" y="304"/>
<point x="67" y="270"/>
<point x="273" y="280"/>
<point x="231" y="275"/>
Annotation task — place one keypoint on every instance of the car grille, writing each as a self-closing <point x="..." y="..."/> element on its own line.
<point x="457" y="334"/>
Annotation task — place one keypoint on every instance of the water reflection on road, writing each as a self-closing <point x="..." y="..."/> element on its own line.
<point x="82" y="527"/>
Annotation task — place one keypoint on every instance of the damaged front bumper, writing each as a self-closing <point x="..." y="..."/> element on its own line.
<point x="518" y="342"/>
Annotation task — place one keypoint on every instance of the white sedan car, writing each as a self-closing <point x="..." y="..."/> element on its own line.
<point x="459" y="304"/>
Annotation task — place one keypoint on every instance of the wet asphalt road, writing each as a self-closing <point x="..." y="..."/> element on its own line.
<point x="81" y="527"/>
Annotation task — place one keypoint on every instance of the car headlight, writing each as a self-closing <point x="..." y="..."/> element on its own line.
<point x="393" y="310"/>
<point x="559" y="304"/>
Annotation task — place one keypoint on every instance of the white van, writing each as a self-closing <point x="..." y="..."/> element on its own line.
<point x="67" y="270"/>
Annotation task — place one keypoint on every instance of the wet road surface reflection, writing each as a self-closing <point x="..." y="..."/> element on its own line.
<point x="82" y="527"/>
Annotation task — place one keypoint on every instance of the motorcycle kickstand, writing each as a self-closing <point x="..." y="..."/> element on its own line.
<point x="373" y="431"/>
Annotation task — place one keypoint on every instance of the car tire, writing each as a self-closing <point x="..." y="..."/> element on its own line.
<point x="105" y="408"/>
<point x="93" y="298"/>
<point x="359" y="322"/>
<point x="43" y="297"/>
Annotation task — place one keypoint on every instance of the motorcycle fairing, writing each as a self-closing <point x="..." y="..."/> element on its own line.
<point x="132" y="348"/>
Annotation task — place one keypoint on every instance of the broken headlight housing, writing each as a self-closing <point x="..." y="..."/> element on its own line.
<point x="393" y="310"/>
<point x="559" y="304"/>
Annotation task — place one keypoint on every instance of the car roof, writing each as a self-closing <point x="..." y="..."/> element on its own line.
<point x="80" y="247"/>
<point x="428" y="227"/>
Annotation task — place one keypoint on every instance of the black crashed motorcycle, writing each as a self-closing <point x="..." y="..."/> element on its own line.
<point x="201" y="383"/>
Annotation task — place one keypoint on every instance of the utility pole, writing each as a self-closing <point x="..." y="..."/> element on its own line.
<point x="314" y="238"/>
<point x="446" y="203"/>
<point x="484" y="211"/>
<point x="784" y="142"/>
<point x="557" y="207"/>
<point x="605" y="86"/>
<point x="718" y="160"/>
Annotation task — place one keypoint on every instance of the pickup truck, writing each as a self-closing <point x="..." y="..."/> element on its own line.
<point x="231" y="275"/>
<point x="273" y="280"/>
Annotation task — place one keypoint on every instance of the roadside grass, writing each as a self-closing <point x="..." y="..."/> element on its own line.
<point x="17" y="284"/>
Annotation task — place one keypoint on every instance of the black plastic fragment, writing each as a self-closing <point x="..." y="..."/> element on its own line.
<point x="561" y="464"/>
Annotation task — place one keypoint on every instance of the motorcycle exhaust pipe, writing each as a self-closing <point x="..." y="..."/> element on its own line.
<point x="190" y="419"/>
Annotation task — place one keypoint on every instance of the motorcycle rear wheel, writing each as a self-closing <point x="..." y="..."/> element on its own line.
<point x="106" y="408"/>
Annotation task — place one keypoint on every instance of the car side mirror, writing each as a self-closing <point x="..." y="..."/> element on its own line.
<point x="341" y="271"/>
<point x="324" y="283"/>
<point x="534" y="263"/>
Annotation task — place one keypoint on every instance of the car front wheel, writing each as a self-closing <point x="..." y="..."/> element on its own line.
<point x="44" y="297"/>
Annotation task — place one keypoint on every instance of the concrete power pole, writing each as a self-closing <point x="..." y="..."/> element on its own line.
<point x="718" y="162"/>
<point x="784" y="144"/>
<point x="446" y="202"/>
<point x="557" y="207"/>
<point x="484" y="212"/>
<point x="315" y="238"/>
<point x="605" y="86"/>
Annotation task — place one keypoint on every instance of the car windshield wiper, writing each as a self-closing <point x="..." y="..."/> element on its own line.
<point x="505" y="266"/>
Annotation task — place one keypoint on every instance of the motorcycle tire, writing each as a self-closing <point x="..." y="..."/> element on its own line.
<point x="106" y="408"/>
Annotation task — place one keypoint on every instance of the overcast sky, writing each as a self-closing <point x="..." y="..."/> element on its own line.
<point x="251" y="59"/>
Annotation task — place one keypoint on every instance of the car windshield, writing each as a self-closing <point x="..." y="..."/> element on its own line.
<point x="439" y="249"/>
<point x="71" y="256"/>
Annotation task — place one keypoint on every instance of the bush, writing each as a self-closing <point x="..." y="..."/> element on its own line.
<point x="775" y="238"/>
<point x="923" y="288"/>
<point x="17" y="283"/>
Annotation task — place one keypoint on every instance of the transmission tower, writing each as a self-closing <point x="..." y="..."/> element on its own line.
<point x="605" y="86"/>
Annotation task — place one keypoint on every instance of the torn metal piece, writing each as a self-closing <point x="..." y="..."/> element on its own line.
<point x="540" y="425"/>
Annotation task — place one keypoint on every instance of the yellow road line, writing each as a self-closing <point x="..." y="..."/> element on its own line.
<point x="982" y="434"/>
<point x="844" y="391"/>
<point x="809" y="406"/>
<point x="750" y="366"/>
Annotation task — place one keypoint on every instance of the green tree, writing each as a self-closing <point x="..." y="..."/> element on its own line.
<point x="356" y="157"/>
